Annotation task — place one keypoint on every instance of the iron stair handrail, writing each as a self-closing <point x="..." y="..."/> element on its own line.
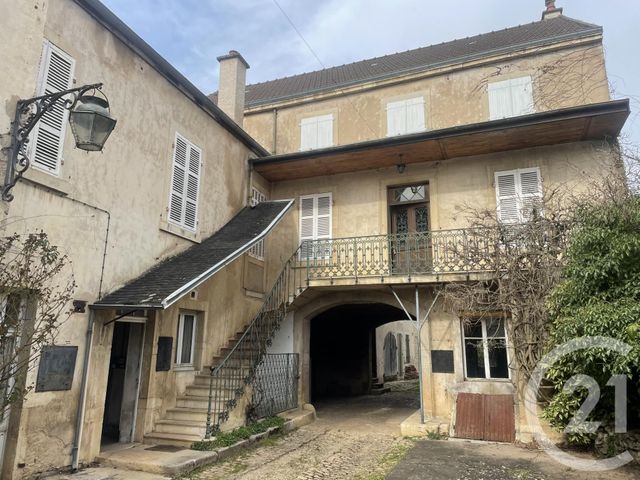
<point x="225" y="387"/>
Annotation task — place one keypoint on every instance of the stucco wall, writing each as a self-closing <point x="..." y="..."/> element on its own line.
<point x="129" y="179"/>
<point x="455" y="186"/>
<point x="454" y="96"/>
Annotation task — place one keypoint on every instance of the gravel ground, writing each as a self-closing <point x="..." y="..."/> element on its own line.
<point x="352" y="439"/>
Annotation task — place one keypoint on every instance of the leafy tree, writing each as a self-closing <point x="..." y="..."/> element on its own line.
<point x="35" y="289"/>
<point x="599" y="295"/>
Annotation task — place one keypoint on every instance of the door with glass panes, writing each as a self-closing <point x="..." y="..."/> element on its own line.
<point x="410" y="245"/>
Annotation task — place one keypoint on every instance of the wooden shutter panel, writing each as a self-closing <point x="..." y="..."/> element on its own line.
<point x="307" y="224"/>
<point x="507" y="197"/>
<point x="47" y="139"/>
<point x="178" y="180"/>
<point x="325" y="131"/>
<point x="396" y="118"/>
<point x="323" y="216"/>
<point x="521" y="96"/>
<point x="191" y="196"/>
<point x="500" y="102"/>
<point x="530" y="193"/>
<point x="415" y="115"/>
<point x="308" y="134"/>
<point x="185" y="184"/>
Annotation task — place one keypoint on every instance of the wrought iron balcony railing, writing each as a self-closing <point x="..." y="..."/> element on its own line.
<point x="436" y="252"/>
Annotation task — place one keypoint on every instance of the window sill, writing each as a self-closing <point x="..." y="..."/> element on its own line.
<point x="183" y="368"/>
<point x="48" y="181"/>
<point x="486" y="380"/>
<point x="179" y="231"/>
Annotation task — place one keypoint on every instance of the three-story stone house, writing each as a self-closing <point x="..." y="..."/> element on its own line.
<point x="203" y="239"/>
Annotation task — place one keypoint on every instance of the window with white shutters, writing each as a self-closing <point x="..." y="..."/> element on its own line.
<point x="47" y="138"/>
<point x="257" y="251"/>
<point x="315" y="224"/>
<point x="185" y="183"/>
<point x="405" y="116"/>
<point x="510" y="98"/>
<point x="316" y="132"/>
<point x="518" y="194"/>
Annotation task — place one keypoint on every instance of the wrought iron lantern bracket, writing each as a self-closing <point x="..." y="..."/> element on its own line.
<point x="28" y="114"/>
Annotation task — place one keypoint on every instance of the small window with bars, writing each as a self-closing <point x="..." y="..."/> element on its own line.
<point x="257" y="251"/>
<point x="185" y="184"/>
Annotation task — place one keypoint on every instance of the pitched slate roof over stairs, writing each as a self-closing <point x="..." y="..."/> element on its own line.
<point x="171" y="279"/>
<point x="512" y="39"/>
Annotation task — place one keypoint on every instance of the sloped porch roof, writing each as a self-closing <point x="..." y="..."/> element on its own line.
<point x="168" y="281"/>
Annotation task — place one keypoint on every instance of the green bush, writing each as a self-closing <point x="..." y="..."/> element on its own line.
<point x="227" y="439"/>
<point x="598" y="296"/>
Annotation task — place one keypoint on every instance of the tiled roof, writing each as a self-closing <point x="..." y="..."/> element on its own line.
<point x="510" y="39"/>
<point x="176" y="276"/>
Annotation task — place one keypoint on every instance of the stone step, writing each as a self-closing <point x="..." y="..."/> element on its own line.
<point x="204" y="379"/>
<point x="188" y="414"/>
<point x="202" y="390"/>
<point x="380" y="391"/>
<point x="377" y="385"/>
<point x="181" y="440"/>
<point x="181" y="427"/>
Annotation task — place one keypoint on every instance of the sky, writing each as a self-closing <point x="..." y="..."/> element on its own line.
<point x="190" y="34"/>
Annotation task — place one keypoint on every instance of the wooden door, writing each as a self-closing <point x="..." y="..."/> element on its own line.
<point x="411" y="246"/>
<point x="485" y="417"/>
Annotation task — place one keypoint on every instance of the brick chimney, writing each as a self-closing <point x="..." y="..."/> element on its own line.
<point x="232" y="83"/>
<point x="551" y="10"/>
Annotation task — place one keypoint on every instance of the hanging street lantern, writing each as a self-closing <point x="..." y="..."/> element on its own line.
<point x="89" y="116"/>
<point x="91" y="122"/>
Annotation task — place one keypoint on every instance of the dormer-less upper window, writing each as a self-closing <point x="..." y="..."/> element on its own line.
<point x="405" y="116"/>
<point x="316" y="132"/>
<point x="510" y="98"/>
<point x="47" y="138"/>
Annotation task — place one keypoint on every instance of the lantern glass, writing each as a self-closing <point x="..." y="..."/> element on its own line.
<point x="91" y="122"/>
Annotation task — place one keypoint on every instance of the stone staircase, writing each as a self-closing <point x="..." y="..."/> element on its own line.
<point x="232" y="370"/>
<point x="186" y="422"/>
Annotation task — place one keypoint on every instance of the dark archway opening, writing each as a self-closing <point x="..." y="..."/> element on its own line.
<point x="343" y="348"/>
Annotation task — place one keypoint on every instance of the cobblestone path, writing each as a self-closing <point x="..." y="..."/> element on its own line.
<point x="354" y="439"/>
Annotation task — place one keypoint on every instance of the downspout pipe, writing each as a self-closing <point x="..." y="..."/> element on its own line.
<point x="77" y="436"/>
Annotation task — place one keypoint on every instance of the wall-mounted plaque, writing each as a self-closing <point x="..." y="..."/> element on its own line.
<point x="55" y="372"/>
<point x="442" y="361"/>
<point x="163" y="360"/>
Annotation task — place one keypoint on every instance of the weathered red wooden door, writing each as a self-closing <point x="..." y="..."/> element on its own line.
<point x="485" y="417"/>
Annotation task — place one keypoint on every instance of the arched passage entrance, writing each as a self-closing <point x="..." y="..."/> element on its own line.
<point x="342" y="348"/>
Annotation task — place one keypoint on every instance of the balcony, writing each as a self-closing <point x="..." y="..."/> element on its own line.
<point x="436" y="256"/>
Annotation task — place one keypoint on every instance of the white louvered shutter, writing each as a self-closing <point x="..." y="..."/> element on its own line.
<point x="323" y="224"/>
<point x="257" y="251"/>
<point x="308" y="134"/>
<point x="193" y="184"/>
<point x="415" y="115"/>
<point x="185" y="184"/>
<point x="307" y="223"/>
<point x="396" y="118"/>
<point x="507" y="197"/>
<point x="530" y="193"/>
<point x="325" y="131"/>
<point x="47" y="139"/>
